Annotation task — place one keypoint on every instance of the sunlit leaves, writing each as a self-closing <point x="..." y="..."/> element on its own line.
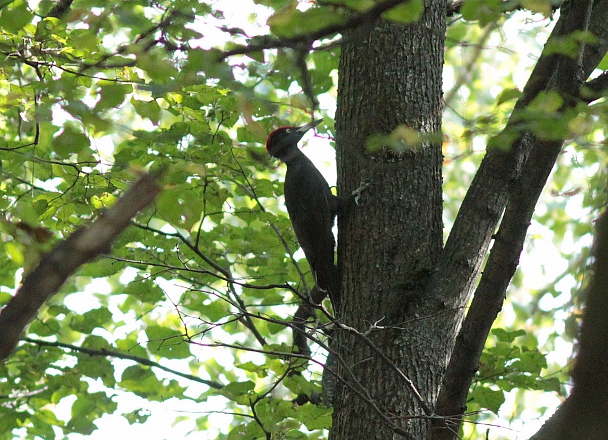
<point x="544" y="7"/>
<point x="508" y="95"/>
<point x="507" y="363"/>
<point x="408" y="12"/>
<point x="147" y="109"/>
<point x="86" y="322"/>
<point x="485" y="11"/>
<point x="15" y="16"/>
<point x="145" y="290"/>
<point x="137" y="416"/>
<point x="238" y="390"/>
<point x="487" y="397"/>
<point x="157" y="66"/>
<point x="112" y="95"/>
<point x="70" y="140"/>
<point x="289" y="21"/>
<point x="47" y="328"/>
<point x="166" y="342"/>
<point x="144" y="383"/>
<point x="87" y="408"/>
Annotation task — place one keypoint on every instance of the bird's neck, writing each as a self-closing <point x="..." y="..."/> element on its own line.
<point x="293" y="156"/>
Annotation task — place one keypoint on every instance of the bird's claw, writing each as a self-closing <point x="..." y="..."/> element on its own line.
<point x="365" y="183"/>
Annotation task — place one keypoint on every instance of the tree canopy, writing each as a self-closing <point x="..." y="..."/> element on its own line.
<point x="190" y="312"/>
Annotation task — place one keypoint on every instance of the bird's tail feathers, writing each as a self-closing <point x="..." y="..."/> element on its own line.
<point x="326" y="280"/>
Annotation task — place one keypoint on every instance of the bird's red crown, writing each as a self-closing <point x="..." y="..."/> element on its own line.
<point x="273" y="134"/>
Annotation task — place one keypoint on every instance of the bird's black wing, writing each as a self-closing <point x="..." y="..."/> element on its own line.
<point x="310" y="206"/>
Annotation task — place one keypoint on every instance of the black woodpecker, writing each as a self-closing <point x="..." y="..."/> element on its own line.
<point x="311" y="206"/>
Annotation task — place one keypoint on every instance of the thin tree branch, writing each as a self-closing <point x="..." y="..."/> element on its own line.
<point x="355" y="386"/>
<point x="306" y="80"/>
<point x="117" y="354"/>
<point x="204" y="271"/>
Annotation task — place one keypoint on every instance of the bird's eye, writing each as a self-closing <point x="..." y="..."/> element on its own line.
<point x="288" y="130"/>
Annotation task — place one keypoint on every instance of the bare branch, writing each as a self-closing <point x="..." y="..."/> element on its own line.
<point x="117" y="354"/>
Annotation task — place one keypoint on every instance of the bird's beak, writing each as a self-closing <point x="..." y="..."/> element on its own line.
<point x="304" y="128"/>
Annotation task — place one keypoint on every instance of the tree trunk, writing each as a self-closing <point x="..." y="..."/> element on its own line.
<point x="390" y="77"/>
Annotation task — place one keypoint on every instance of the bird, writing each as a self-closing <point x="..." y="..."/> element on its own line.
<point x="311" y="206"/>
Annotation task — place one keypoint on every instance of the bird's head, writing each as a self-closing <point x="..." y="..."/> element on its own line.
<point x="284" y="139"/>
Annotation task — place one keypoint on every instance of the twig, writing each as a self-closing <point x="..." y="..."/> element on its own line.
<point x="117" y="354"/>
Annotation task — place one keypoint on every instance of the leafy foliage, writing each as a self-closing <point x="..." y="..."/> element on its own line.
<point x="204" y="283"/>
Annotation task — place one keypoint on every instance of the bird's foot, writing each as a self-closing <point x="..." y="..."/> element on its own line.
<point x="365" y="183"/>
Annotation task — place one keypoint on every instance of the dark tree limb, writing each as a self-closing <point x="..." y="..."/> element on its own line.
<point x="595" y="88"/>
<point x="522" y="196"/>
<point x="60" y="9"/>
<point x="490" y="293"/>
<point x="81" y="247"/>
<point x="582" y="415"/>
<point x="487" y="196"/>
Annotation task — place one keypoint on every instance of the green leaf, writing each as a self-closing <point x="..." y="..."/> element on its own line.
<point x="145" y="290"/>
<point x="237" y="389"/>
<point x="487" y="398"/>
<point x="508" y="95"/>
<point x="137" y="416"/>
<point x="147" y="109"/>
<point x="315" y="416"/>
<point x="409" y="12"/>
<point x="507" y="336"/>
<point x="96" y="367"/>
<point x="484" y="11"/>
<point x="166" y="342"/>
<point x="544" y="7"/>
<point x="86" y="322"/>
<point x="70" y="140"/>
<point x="158" y="67"/>
<point x="14" y="17"/>
<point x="47" y="328"/>
<point x="289" y="21"/>
<point x="603" y="65"/>
<point x="112" y="95"/>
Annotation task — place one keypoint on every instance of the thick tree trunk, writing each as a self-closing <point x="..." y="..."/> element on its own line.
<point x="389" y="77"/>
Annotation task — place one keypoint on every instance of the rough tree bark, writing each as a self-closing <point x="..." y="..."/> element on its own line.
<point x="389" y="77"/>
<point x="404" y="297"/>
